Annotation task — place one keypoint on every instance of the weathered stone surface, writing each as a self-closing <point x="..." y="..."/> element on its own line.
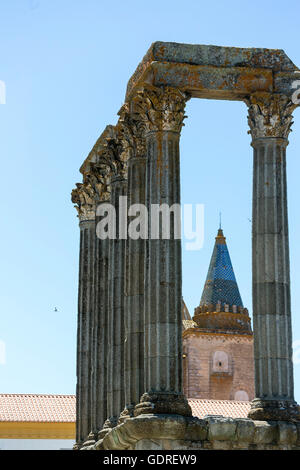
<point x="298" y="433"/>
<point x="162" y="113"/>
<point x="134" y="292"/>
<point x="274" y="410"/>
<point x="116" y="281"/>
<point x="213" y="71"/>
<point x="245" y="430"/>
<point x="196" y="430"/>
<point x="287" y="433"/>
<point x="270" y="119"/>
<point x="149" y="444"/>
<point x="221" y="429"/>
<point x="211" y="82"/>
<point x="84" y="328"/>
<point x="173" y="432"/>
<point x="265" y="433"/>
<point x="99" y="146"/>
<point x="220" y="56"/>
<point x="222" y="445"/>
<point x="100" y="337"/>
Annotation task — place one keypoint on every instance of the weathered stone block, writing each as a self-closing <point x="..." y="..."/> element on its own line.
<point x="222" y="445"/>
<point x="298" y="434"/>
<point x="265" y="432"/>
<point x="221" y="429"/>
<point x="196" y="430"/>
<point x="287" y="433"/>
<point x="148" y="444"/>
<point x="245" y="430"/>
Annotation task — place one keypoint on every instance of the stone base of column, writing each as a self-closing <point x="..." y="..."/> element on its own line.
<point x="103" y="433"/>
<point x="274" y="410"/>
<point x="91" y="439"/>
<point x="128" y="412"/>
<point x="76" y="446"/>
<point x="163" y="403"/>
<point x="107" y="426"/>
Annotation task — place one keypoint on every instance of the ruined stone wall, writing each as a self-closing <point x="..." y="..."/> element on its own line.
<point x="217" y="366"/>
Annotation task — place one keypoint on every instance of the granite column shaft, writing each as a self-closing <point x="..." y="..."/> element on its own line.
<point x="100" y="334"/>
<point x="163" y="277"/>
<point x="274" y="384"/>
<point x="134" y="320"/>
<point x="116" y="281"/>
<point x="85" y="315"/>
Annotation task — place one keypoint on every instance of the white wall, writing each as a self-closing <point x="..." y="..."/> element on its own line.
<point x="36" y="444"/>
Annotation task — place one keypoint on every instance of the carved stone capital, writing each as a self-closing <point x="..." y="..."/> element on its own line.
<point x="84" y="197"/>
<point x="270" y="115"/>
<point x="132" y="129"/>
<point x="98" y="177"/>
<point x="114" y="154"/>
<point x="160" y="109"/>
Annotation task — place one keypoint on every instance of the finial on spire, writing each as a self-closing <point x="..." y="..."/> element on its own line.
<point x="220" y="237"/>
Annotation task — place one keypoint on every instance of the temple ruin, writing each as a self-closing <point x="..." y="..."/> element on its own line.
<point x="129" y="344"/>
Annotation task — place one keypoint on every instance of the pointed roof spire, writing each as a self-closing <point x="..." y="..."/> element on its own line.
<point x="220" y="285"/>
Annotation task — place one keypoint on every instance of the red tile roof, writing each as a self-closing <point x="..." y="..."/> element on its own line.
<point x="38" y="408"/>
<point x="228" y="408"/>
<point x="62" y="408"/>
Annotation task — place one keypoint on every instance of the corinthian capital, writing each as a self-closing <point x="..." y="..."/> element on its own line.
<point x="84" y="197"/>
<point x="132" y="128"/>
<point x="270" y="115"/>
<point x="160" y="109"/>
<point x="114" y="155"/>
<point x="98" y="177"/>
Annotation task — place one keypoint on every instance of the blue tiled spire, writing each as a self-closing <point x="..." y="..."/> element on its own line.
<point x="220" y="285"/>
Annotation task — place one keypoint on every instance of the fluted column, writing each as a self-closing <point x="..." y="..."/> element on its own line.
<point x="163" y="112"/>
<point x="270" y="120"/>
<point x="83" y="196"/>
<point x="134" y="320"/>
<point x="100" y="339"/>
<point x="99" y="177"/>
<point x="116" y="279"/>
<point x="133" y="133"/>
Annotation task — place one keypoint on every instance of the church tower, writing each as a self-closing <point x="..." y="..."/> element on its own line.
<point x="218" y="343"/>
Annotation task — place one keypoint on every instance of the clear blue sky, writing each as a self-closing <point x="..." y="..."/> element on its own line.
<point x="66" y="64"/>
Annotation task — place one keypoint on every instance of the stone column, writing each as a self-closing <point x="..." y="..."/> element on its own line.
<point x="270" y="120"/>
<point x="100" y="340"/>
<point x="133" y="132"/>
<point x="114" y="156"/>
<point x="163" y="112"/>
<point x="98" y="176"/>
<point x="115" y="358"/>
<point x="83" y="196"/>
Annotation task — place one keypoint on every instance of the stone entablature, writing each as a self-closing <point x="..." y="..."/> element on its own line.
<point x="215" y="72"/>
